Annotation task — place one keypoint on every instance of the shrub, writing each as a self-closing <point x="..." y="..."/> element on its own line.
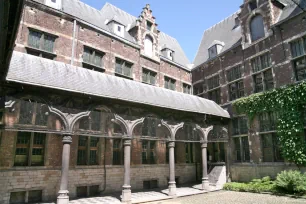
<point x="256" y="185"/>
<point x="293" y="182"/>
<point x="242" y="187"/>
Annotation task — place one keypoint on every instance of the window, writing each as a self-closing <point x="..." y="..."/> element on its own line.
<point x="170" y="83"/>
<point x="212" y="51"/>
<point x="41" y="44"/>
<point x="148" y="76"/>
<point x="149" y="127"/>
<point x="240" y="126"/>
<point x="213" y="82"/>
<point x="261" y="62"/>
<point x="33" y="113"/>
<point x="298" y="47"/>
<point x="215" y="96"/>
<point x="263" y="81"/>
<point x="150" y="184"/>
<point x="187" y="88"/>
<point x="234" y="73"/>
<point x="117" y="152"/>
<point x="298" y="50"/>
<point x="88" y="150"/>
<point x="123" y="68"/>
<point x="218" y="152"/>
<point x="241" y="149"/>
<point x="236" y="90"/>
<point x="87" y="191"/>
<point x="257" y="28"/>
<point x="271" y="148"/>
<point x="119" y="28"/>
<point x="30" y="149"/>
<point x="268" y="121"/>
<point x="92" y="59"/>
<point x="149" y="26"/>
<point x="148" y="46"/>
<point x="33" y="196"/>
<point x="93" y="122"/>
<point x="189" y="152"/>
<point x="148" y="152"/>
<point x="253" y="5"/>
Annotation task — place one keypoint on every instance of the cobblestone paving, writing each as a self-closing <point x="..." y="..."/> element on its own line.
<point x="229" y="197"/>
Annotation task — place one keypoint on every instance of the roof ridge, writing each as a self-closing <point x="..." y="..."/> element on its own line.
<point x="213" y="26"/>
<point x="107" y="3"/>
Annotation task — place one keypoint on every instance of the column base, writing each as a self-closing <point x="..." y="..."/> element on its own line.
<point x="63" y="197"/>
<point x="172" y="189"/>
<point x="205" y="183"/>
<point x="126" y="195"/>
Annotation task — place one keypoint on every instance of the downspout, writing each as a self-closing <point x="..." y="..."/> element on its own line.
<point x="73" y="42"/>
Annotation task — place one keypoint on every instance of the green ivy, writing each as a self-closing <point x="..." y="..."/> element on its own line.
<point x="289" y="102"/>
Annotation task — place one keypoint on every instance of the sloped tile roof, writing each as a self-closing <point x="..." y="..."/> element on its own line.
<point x="98" y="18"/>
<point x="37" y="71"/>
<point x="226" y="32"/>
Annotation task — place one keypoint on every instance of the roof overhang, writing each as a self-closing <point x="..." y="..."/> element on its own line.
<point x="36" y="71"/>
<point x="10" y="14"/>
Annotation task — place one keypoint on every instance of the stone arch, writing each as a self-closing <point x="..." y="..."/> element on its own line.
<point x="204" y="132"/>
<point x="127" y="125"/>
<point x="172" y="129"/>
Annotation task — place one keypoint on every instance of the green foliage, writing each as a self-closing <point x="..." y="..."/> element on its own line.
<point x="289" y="102"/>
<point x="293" y="182"/>
<point x="257" y="186"/>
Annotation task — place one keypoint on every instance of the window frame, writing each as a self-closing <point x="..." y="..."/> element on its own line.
<point x="242" y="151"/>
<point x="240" y="122"/>
<point x="149" y="25"/>
<point x="238" y="91"/>
<point x="296" y="58"/>
<point x="88" y="149"/>
<point x="275" y="148"/>
<point x="267" y="121"/>
<point x="148" y="152"/>
<point x="217" y="93"/>
<point x="150" y="74"/>
<point x="40" y="51"/>
<point x="90" y="64"/>
<point x="123" y="68"/>
<point x="186" y="88"/>
<point x="169" y="82"/>
<point x="29" y="149"/>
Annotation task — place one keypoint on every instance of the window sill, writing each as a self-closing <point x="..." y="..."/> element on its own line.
<point x="267" y="132"/>
<point x="123" y="76"/>
<point x="242" y="135"/>
<point x="148" y="83"/>
<point x="42" y="51"/>
<point x="262" y="70"/>
<point x="93" y="66"/>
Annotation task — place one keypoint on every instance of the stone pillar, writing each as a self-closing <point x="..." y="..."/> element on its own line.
<point x="205" y="182"/>
<point x="172" y="185"/>
<point x="63" y="194"/>
<point x="126" y="192"/>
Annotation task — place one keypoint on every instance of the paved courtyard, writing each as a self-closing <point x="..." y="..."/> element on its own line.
<point x="229" y="197"/>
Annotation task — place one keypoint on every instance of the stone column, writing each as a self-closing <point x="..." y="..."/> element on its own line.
<point x="63" y="194"/>
<point x="126" y="192"/>
<point x="205" y="182"/>
<point x="172" y="185"/>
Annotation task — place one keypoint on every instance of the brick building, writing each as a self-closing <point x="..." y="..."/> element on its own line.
<point x="258" y="48"/>
<point x="99" y="101"/>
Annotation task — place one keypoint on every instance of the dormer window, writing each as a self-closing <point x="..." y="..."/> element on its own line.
<point x="253" y="5"/>
<point x="214" y="50"/>
<point x="149" y="26"/>
<point x="166" y="52"/>
<point x="54" y="3"/>
<point x="119" y="29"/>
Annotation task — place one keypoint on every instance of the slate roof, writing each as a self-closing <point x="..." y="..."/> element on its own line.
<point x="226" y="32"/>
<point x="37" y="71"/>
<point x="98" y="18"/>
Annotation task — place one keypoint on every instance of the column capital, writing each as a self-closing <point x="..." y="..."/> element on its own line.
<point x="67" y="139"/>
<point x="127" y="141"/>
<point x="203" y="144"/>
<point x="171" y="144"/>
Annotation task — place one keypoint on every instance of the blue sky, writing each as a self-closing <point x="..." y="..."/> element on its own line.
<point x="185" y="20"/>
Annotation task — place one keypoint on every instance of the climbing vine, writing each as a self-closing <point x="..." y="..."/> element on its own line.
<point x="290" y="103"/>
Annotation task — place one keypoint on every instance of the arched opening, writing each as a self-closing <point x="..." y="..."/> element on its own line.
<point x="257" y="28"/>
<point x="148" y="45"/>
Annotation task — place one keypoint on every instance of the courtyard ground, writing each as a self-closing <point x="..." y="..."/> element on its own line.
<point x="231" y="197"/>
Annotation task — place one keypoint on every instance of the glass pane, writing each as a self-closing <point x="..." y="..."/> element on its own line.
<point x="267" y="145"/>
<point x="119" y="64"/>
<point x="127" y="69"/>
<point x="86" y="55"/>
<point x="144" y="152"/>
<point x="237" y="149"/>
<point x="145" y="76"/>
<point x="34" y="39"/>
<point x="258" y="83"/>
<point x="269" y="83"/>
<point x="17" y="197"/>
<point x="256" y="66"/>
<point x="277" y="149"/>
<point x="37" y="158"/>
<point x="300" y="69"/>
<point x="95" y="119"/>
<point x="22" y="148"/>
<point x="42" y="112"/>
<point x="48" y="43"/>
<point x="297" y="48"/>
<point x="245" y="149"/>
<point x="98" y="59"/>
<point x="152" y="78"/>
<point x="265" y="61"/>
<point x="257" y="28"/>
<point x="35" y="196"/>
<point x="26" y="111"/>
